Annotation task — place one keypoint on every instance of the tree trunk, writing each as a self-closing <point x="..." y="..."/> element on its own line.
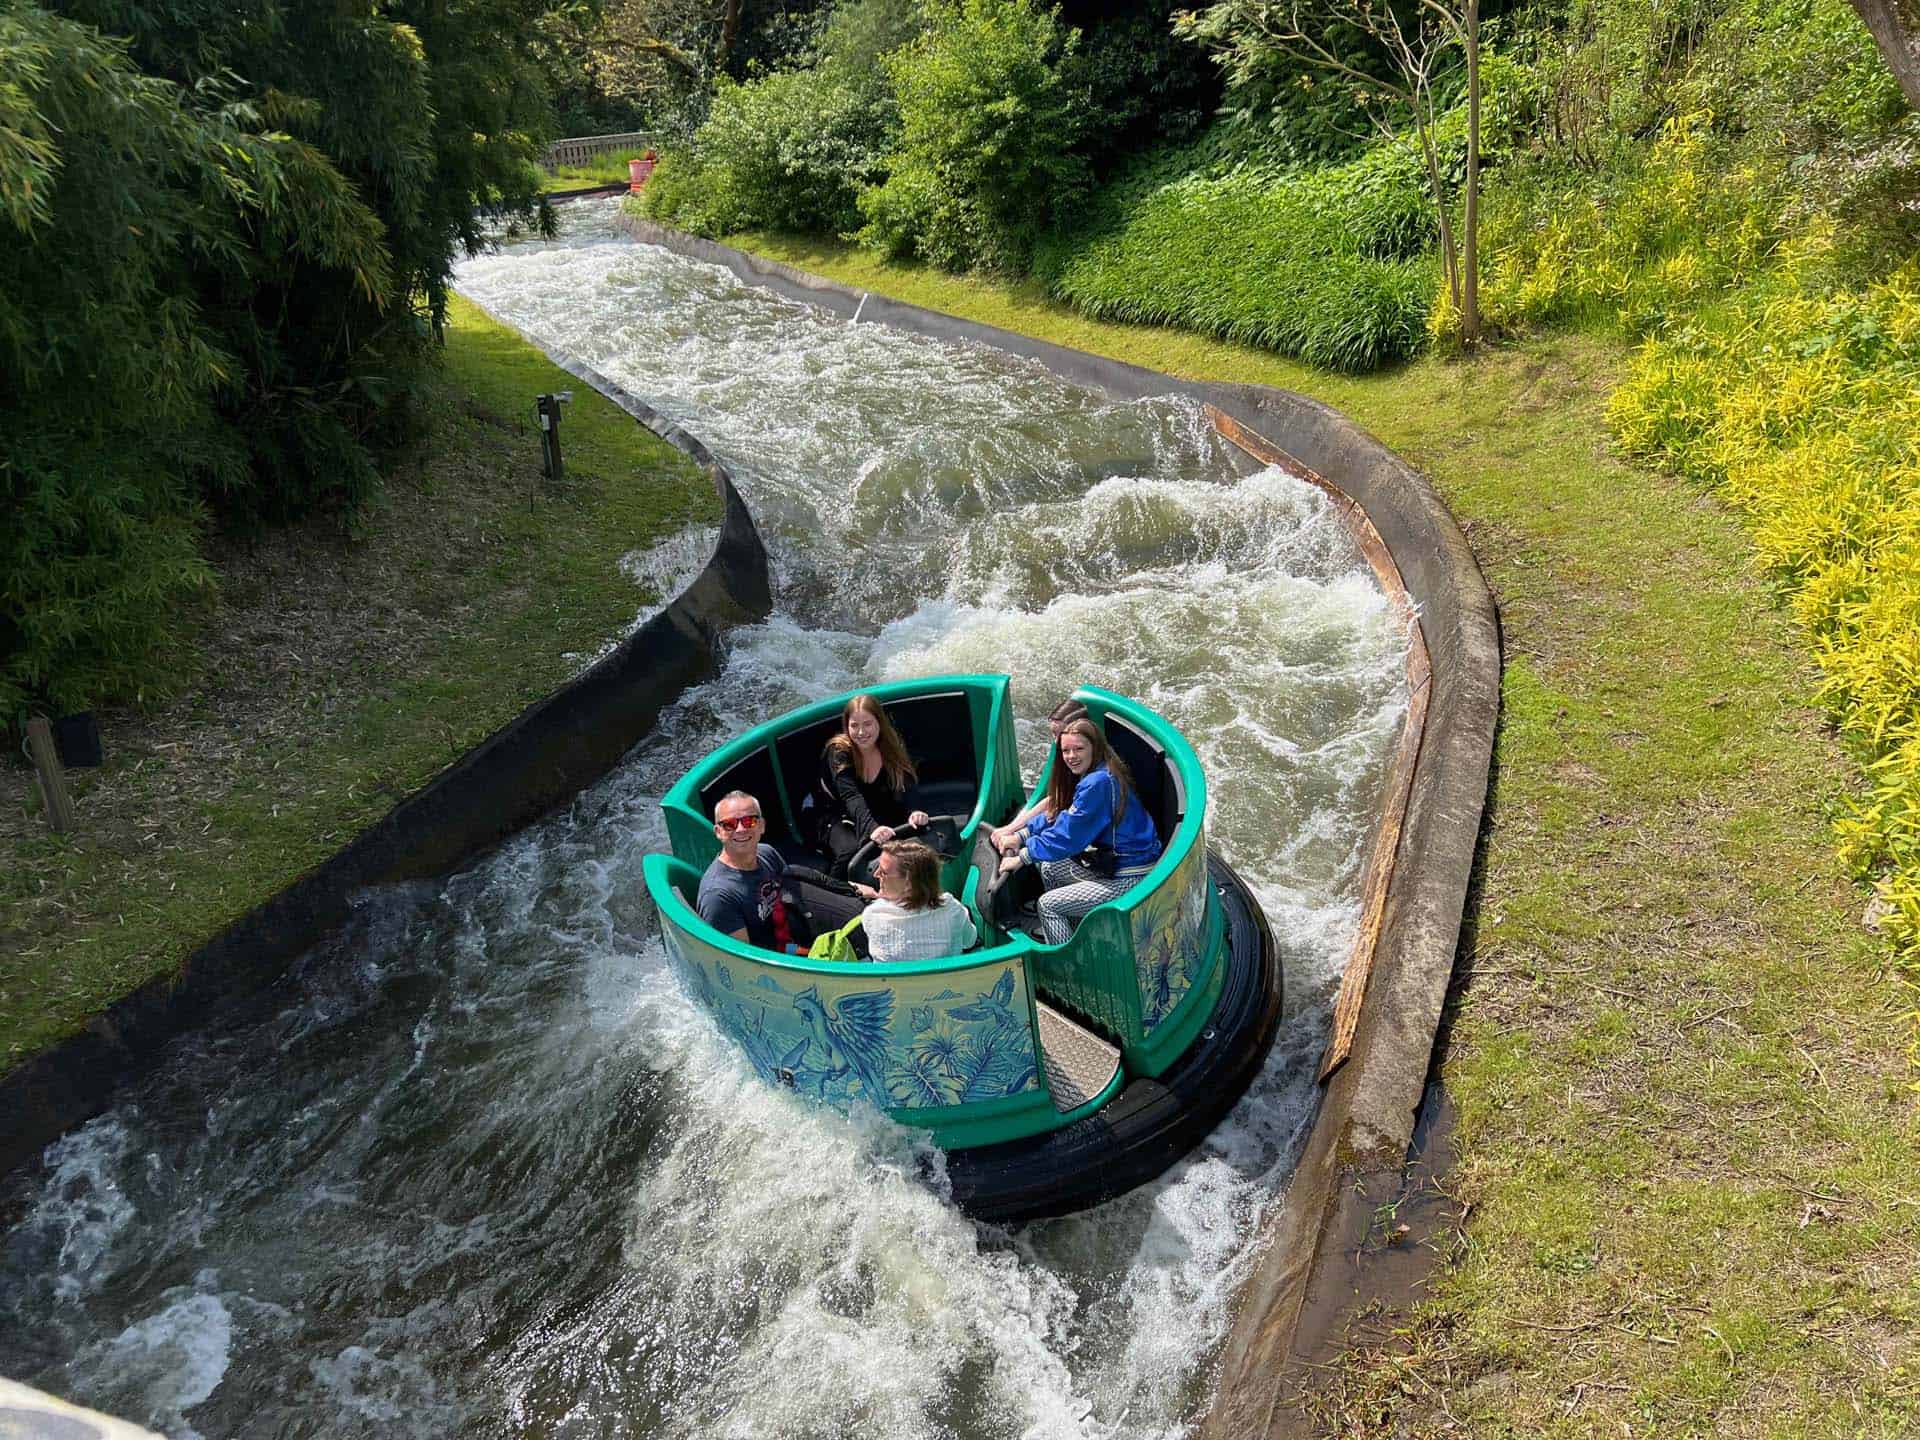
<point x="1470" y="224"/>
<point x="729" y="32"/>
<point x="1895" y="27"/>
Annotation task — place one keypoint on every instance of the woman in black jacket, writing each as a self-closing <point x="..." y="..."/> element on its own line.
<point x="864" y="774"/>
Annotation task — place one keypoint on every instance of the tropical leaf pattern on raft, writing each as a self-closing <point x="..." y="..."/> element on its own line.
<point x="977" y="1051"/>
<point x="912" y="1044"/>
<point x="1168" y="929"/>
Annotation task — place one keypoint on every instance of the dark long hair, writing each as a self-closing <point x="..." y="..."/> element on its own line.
<point x="1061" y="781"/>
<point x="895" y="763"/>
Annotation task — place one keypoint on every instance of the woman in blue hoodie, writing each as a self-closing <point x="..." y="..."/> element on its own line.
<point x="1090" y="803"/>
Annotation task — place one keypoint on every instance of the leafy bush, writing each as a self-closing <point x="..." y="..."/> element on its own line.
<point x="679" y="193"/>
<point x="988" y="122"/>
<point x="1144" y="86"/>
<point x="1276" y="104"/>
<point x="1324" y="264"/>
<point x="792" y="150"/>
<point x="859" y="35"/>
<point x="788" y="151"/>
<point x="1797" y="75"/>
<point x="1771" y="81"/>
<point x="1630" y="248"/>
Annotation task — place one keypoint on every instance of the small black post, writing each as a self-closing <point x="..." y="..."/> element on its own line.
<point x="546" y="409"/>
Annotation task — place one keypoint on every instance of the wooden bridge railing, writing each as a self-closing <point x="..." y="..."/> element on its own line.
<point x="583" y="148"/>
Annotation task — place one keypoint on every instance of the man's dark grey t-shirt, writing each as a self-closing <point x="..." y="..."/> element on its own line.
<point x="731" y="899"/>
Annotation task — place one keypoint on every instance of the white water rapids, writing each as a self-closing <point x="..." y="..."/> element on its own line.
<point x="489" y="1173"/>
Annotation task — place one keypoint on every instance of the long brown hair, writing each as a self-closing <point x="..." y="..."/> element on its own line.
<point x="920" y="868"/>
<point x="895" y="763"/>
<point x="1061" y="781"/>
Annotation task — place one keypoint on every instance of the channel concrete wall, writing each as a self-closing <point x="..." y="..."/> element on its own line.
<point x="533" y="766"/>
<point x="1297" y="1301"/>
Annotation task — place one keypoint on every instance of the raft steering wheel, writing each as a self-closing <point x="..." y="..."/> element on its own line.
<point x="942" y="832"/>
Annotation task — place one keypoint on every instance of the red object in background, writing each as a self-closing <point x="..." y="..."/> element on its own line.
<point x="639" y="170"/>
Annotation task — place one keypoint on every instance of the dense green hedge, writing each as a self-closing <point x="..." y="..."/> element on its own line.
<point x="226" y="239"/>
<point x="1325" y="264"/>
<point x="788" y="151"/>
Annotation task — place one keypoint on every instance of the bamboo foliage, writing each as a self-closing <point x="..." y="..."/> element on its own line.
<point x="225" y="241"/>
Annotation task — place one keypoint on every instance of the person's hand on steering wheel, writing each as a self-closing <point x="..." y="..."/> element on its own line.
<point x="1010" y="863"/>
<point x="917" y="820"/>
<point x="1004" y="839"/>
<point x="881" y="834"/>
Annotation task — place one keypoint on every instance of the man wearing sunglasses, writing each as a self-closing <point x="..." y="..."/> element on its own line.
<point x="747" y="890"/>
<point x="741" y="891"/>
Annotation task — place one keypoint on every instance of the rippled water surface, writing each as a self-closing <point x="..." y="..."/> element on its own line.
<point x="487" y="1172"/>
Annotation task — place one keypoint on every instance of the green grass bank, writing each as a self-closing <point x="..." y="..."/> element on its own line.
<point x="1686" y="1150"/>
<point x="337" y="673"/>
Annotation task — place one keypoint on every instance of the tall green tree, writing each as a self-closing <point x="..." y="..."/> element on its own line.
<point x="430" y="111"/>
<point x="118" y="190"/>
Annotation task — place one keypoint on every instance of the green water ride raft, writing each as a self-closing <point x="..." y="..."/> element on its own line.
<point x="1054" y="1076"/>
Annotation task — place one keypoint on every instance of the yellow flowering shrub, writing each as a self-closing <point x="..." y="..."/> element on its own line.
<point x="1631" y="249"/>
<point x="1801" y="404"/>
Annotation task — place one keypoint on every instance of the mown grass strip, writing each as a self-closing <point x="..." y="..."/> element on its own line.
<point x="338" y="674"/>
<point x="1684" y="1137"/>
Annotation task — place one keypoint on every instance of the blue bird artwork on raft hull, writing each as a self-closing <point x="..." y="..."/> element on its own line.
<point x="853" y="1034"/>
<point x="994" y="1005"/>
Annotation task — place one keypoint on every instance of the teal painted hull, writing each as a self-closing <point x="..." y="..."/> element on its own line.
<point x="952" y="1045"/>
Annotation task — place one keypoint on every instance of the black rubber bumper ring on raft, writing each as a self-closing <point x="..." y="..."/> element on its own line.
<point x="1151" y="1123"/>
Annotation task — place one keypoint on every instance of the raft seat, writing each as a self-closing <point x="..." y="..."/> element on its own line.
<point x="753" y="773"/>
<point x="1156" y="778"/>
<point x="938" y="732"/>
<point x="1077" y="1063"/>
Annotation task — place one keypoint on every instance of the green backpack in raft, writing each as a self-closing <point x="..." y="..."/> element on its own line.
<point x="836" y="944"/>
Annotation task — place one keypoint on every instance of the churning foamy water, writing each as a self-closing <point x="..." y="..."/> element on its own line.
<point x="489" y="1173"/>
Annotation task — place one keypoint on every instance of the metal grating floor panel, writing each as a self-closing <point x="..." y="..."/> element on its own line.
<point x="1077" y="1063"/>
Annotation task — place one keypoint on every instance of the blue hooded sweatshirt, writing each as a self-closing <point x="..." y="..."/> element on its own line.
<point x="1089" y="821"/>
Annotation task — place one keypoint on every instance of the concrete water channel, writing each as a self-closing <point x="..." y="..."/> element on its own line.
<point x="480" y="1168"/>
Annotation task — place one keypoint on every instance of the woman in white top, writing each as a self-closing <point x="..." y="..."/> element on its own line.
<point x="911" y="918"/>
